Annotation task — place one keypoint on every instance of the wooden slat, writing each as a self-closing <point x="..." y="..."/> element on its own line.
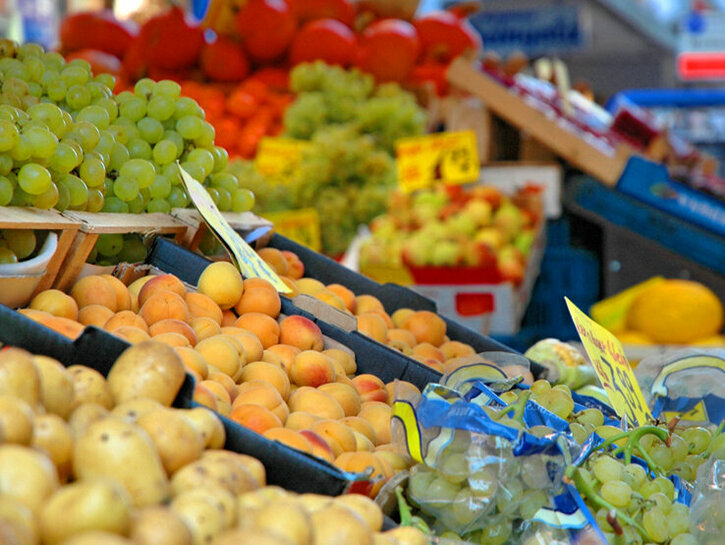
<point x="75" y="260"/>
<point x="17" y="217"/>
<point x="106" y="222"/>
<point x="515" y="111"/>
<point x="65" y="240"/>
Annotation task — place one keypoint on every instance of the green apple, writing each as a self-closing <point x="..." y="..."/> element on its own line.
<point x="446" y="253"/>
<point x="525" y="240"/>
<point x="491" y="237"/>
<point x="480" y="211"/>
<point x="509" y="219"/>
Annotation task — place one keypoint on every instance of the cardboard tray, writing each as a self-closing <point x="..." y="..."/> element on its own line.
<point x="285" y="466"/>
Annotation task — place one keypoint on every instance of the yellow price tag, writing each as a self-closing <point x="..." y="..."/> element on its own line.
<point x="612" y="367"/>
<point x="448" y="157"/>
<point x="697" y="414"/>
<point x="277" y="158"/>
<point x="302" y="226"/>
<point x="245" y="258"/>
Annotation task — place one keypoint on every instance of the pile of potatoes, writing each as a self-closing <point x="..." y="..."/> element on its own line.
<point x="89" y="460"/>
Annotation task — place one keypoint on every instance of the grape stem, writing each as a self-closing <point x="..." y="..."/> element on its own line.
<point x="718" y="431"/>
<point x="586" y="487"/>
<point x="406" y="515"/>
<point x="633" y="437"/>
<point x="517" y="408"/>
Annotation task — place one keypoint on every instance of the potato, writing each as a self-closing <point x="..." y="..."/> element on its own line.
<point x="53" y="435"/>
<point x="287" y="519"/>
<point x="333" y="525"/>
<point x="56" y="386"/>
<point x="233" y="477"/>
<point x="251" y="536"/>
<point x="157" y="525"/>
<point x="201" y="516"/>
<point x="16" y="420"/>
<point x="223" y="500"/>
<point x="26" y="476"/>
<point x="11" y="534"/>
<point x="132" y="409"/>
<point x="97" y="538"/>
<point x="250" y="503"/>
<point x="147" y="369"/>
<point x="175" y="438"/>
<point x="89" y="386"/>
<point x="115" y="448"/>
<point x="208" y="425"/>
<point x="21" y="518"/>
<point x="98" y="503"/>
<point x="84" y="415"/>
<point x="251" y="464"/>
<point x="18" y="375"/>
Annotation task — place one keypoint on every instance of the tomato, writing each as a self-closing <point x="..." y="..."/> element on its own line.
<point x="224" y="60"/>
<point x="274" y="78"/>
<point x="388" y="50"/>
<point x="443" y="36"/>
<point x="431" y="72"/>
<point x="311" y="10"/>
<point x="241" y="104"/>
<point x="91" y="30"/>
<point x="227" y="132"/>
<point x="169" y="42"/>
<point x="101" y="62"/>
<point x="266" y="28"/>
<point x="326" y="40"/>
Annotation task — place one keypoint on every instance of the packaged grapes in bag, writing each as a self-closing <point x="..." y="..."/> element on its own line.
<point x="707" y="516"/>
<point x="687" y="384"/>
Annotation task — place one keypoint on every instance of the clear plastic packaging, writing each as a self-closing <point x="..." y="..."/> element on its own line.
<point x="707" y="509"/>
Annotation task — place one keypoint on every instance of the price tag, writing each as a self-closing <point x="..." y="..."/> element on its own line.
<point x="302" y="226"/>
<point x="612" y="367"/>
<point x="448" y="157"/>
<point x="697" y="414"/>
<point x="277" y="158"/>
<point x="245" y="258"/>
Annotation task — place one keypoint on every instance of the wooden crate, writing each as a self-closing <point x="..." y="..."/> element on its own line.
<point x="12" y="217"/>
<point x="243" y="223"/>
<point x="100" y="223"/>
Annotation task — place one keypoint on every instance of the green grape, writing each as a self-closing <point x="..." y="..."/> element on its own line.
<point x="74" y="75"/>
<point x="665" y="486"/>
<point x="99" y="90"/>
<point x="96" y="115"/>
<point x="590" y="416"/>
<point x="106" y="79"/>
<point x="139" y="169"/>
<point x="53" y="59"/>
<point x="164" y="152"/>
<point x="203" y="158"/>
<point x="86" y="134"/>
<point x="158" y="205"/>
<point x="540" y="386"/>
<point x="49" y="76"/>
<point x="95" y="200"/>
<point x="109" y="105"/>
<point x="190" y="127"/>
<point x="118" y="157"/>
<point x="92" y="172"/>
<point x="662" y="456"/>
<point x="77" y="190"/>
<point x="133" y="250"/>
<point x="105" y="142"/>
<point x="21" y="198"/>
<point x="133" y="109"/>
<point x="634" y="475"/>
<point x="34" y="67"/>
<point x="29" y="50"/>
<point x="648" y="489"/>
<point x="9" y="113"/>
<point x="48" y="199"/>
<point x="654" y="522"/>
<point x="110" y="244"/>
<point x="49" y="114"/>
<point x="166" y="88"/>
<point x="9" y="135"/>
<point x="678" y="519"/>
<point x="120" y="133"/>
<point x="176" y="138"/>
<point x="20" y="241"/>
<point x="607" y="469"/>
<point x="617" y="493"/>
<point x="144" y="88"/>
<point x="684" y="539"/>
<point x="193" y="170"/>
<point x="214" y="194"/>
<point x="23" y="149"/>
<point x="42" y="141"/>
<point x="145" y="195"/>
<point x="34" y="179"/>
<point x="125" y="188"/>
<point x="178" y="198"/>
<point x="150" y="129"/>
<point x="465" y="510"/>
<point x="171" y="171"/>
<point x="15" y="86"/>
<point x="6" y="191"/>
<point x="225" y="180"/>
<point x="161" y="107"/>
<point x="556" y="401"/>
<point x="697" y="439"/>
<point x="77" y="97"/>
<point x="678" y="447"/>
<point x="107" y="186"/>
<point x="602" y="517"/>
<point x="206" y="138"/>
<point x="115" y="205"/>
<point x="124" y="96"/>
<point x="137" y="205"/>
<point x="139" y="149"/>
<point x="6" y="164"/>
<point x="185" y="107"/>
<point x="7" y="256"/>
<point x="496" y="534"/>
<point x="531" y="502"/>
<point x="579" y="432"/>
<point x="35" y="89"/>
<point x="56" y="90"/>
<point x="63" y="197"/>
<point x="160" y="188"/>
<point x="221" y="158"/>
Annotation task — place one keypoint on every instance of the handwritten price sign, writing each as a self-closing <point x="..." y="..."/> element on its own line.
<point x="277" y="158"/>
<point x="449" y="157"/>
<point x="302" y="226"/>
<point x="612" y="367"/>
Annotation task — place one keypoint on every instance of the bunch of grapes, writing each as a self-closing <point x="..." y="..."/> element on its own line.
<point x="16" y="244"/>
<point x="67" y="142"/>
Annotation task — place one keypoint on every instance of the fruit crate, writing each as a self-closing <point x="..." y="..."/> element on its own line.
<point x="247" y="224"/>
<point x="94" y="224"/>
<point x="19" y="282"/>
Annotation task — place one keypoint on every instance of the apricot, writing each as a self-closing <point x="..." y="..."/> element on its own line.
<point x="370" y="388"/>
<point x="238" y="345"/>
<point x="360" y="462"/>
<point x="171" y="325"/>
<point x="286" y="353"/>
<point x="94" y="290"/>
<point x="292" y="285"/>
<point x="274" y="258"/>
<point x="395" y="460"/>
<point x="331" y="299"/>
<point x="172" y="339"/>
<point x="312" y="400"/>
<point x="252" y="346"/>
<point x="203" y="396"/>
<point x="344" y="357"/>
<point x="320" y="447"/>
<point x="193" y="360"/>
<point x="404" y="389"/>
<point x="222" y="353"/>
<point x="264" y="327"/>
<point x="217" y="389"/>
<point x="204" y="328"/>
<point x="134" y="302"/>
<point x="291" y="438"/>
<point x="361" y="426"/>
<point x="362" y="443"/>
<point x="368" y="303"/>
<point x="276" y="376"/>
<point x="131" y="334"/>
<point x="456" y="349"/>
<point x="163" y="305"/>
<point x="64" y="326"/>
<point x="202" y="306"/>
<point x="228" y="318"/>
<point x="295" y="267"/>
<point x="268" y="398"/>
<point x="347" y="296"/>
<point x="428" y="351"/>
<point x="96" y="315"/>
<point x="433" y="364"/>
<point x="221" y="282"/>
<point x="372" y="325"/>
<point x="402" y="335"/>
<point x="135" y="287"/>
<point x="427" y="327"/>
<point x="255" y="417"/>
<point x="301" y="332"/>
<point x="378" y="414"/>
<point x="226" y="381"/>
<point x="337" y="435"/>
<point x="259" y="299"/>
<point x="271" y="357"/>
<point x="400" y="316"/>
<point x="301" y="420"/>
<point x="311" y="368"/>
<point x="123" y="296"/>
<point x="309" y="286"/>
<point x="125" y="318"/>
<point x="161" y="282"/>
<point x="400" y="346"/>
<point x="56" y="303"/>
<point x="346" y="396"/>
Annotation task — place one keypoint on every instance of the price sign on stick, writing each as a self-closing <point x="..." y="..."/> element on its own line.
<point x="448" y="157"/>
<point x="612" y="367"/>
<point x="278" y="158"/>
<point x="245" y="258"/>
<point x="301" y="225"/>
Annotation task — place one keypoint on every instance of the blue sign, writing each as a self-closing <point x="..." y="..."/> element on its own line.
<point x="539" y="31"/>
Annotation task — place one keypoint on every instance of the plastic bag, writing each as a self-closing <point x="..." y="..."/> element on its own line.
<point x="707" y="509"/>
